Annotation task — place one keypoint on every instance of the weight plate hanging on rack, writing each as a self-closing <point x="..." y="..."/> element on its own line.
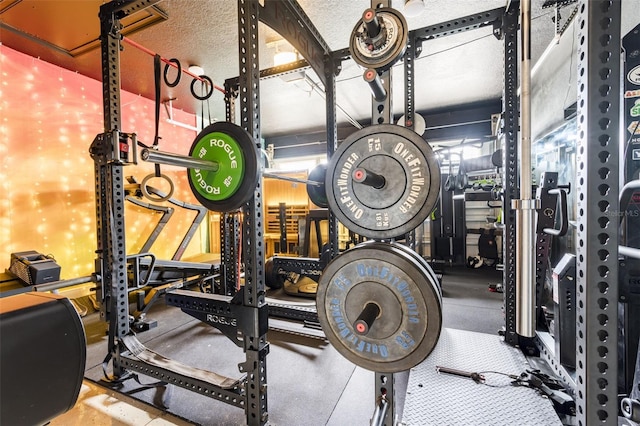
<point x="234" y="181"/>
<point x="383" y="181"/>
<point x="380" y="39"/>
<point x="379" y="307"/>
<point x="420" y="261"/>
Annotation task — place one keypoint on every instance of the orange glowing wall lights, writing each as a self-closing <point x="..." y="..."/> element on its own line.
<point x="48" y="118"/>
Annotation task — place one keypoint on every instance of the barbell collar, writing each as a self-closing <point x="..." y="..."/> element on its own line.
<point x="367" y="177"/>
<point x="170" y="159"/>
<point x="526" y="204"/>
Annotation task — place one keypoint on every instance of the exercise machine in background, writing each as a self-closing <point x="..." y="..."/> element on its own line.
<point x="299" y="276"/>
<point x="149" y="277"/>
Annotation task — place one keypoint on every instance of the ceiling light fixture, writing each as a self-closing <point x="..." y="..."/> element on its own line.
<point x="284" y="52"/>
<point x="196" y="70"/>
<point x="282" y="58"/>
<point x="413" y="8"/>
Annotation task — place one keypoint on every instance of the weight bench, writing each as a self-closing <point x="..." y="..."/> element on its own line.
<point x="145" y="270"/>
<point x="162" y="276"/>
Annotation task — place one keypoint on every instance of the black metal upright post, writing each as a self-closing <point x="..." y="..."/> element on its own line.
<point x="409" y="103"/>
<point x="597" y="187"/>
<point x="331" y="69"/>
<point x="510" y="118"/>
<point x="111" y="263"/>
<point x="229" y="222"/>
<point x="382" y="113"/>
<point x="255" y="339"/>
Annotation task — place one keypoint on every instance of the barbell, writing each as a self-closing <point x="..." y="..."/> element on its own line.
<point x="161" y="157"/>
<point x="381" y="183"/>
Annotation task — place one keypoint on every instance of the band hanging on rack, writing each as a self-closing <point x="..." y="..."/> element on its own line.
<point x="206" y="81"/>
<point x="175" y="82"/>
<point x="156" y="139"/>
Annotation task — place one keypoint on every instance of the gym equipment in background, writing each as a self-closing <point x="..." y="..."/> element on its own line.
<point x="298" y="276"/>
<point x="34" y="268"/>
<point x="149" y="277"/>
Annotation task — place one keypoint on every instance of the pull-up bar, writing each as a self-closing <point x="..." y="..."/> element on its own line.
<point x="173" y="64"/>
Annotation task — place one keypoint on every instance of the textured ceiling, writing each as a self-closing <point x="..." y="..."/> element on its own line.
<point x="451" y="71"/>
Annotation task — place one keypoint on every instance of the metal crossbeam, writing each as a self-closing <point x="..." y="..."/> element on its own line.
<point x="290" y="21"/>
<point x="459" y="25"/>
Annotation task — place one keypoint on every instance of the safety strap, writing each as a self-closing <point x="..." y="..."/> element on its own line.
<point x="202" y="101"/>
<point x="112" y="379"/>
<point x="156" y="81"/>
<point x="202" y="126"/>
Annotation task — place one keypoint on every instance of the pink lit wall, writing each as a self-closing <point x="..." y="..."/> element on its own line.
<point x="48" y="118"/>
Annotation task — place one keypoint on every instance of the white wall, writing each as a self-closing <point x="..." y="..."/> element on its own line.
<point x="553" y="86"/>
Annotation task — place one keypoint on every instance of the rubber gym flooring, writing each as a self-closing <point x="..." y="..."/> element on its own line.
<point x="309" y="382"/>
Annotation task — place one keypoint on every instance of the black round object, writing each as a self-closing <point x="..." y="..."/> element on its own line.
<point x="411" y="181"/>
<point x="272" y="278"/>
<point x="383" y="49"/>
<point x="496" y="158"/>
<point x="317" y="193"/>
<point x="207" y="94"/>
<point x="175" y="82"/>
<point x="41" y="367"/>
<point x="408" y="324"/>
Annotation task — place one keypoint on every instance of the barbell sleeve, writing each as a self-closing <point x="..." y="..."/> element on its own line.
<point x="170" y="159"/>
<point x="370" y="20"/>
<point x="375" y="84"/>
<point x="366" y="318"/>
<point x="56" y="285"/>
<point x="368" y="177"/>
<point x="160" y="157"/>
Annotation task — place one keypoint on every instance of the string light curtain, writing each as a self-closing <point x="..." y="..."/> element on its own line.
<point x="48" y="118"/>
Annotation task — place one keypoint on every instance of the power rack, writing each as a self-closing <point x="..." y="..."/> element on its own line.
<point x="594" y="381"/>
